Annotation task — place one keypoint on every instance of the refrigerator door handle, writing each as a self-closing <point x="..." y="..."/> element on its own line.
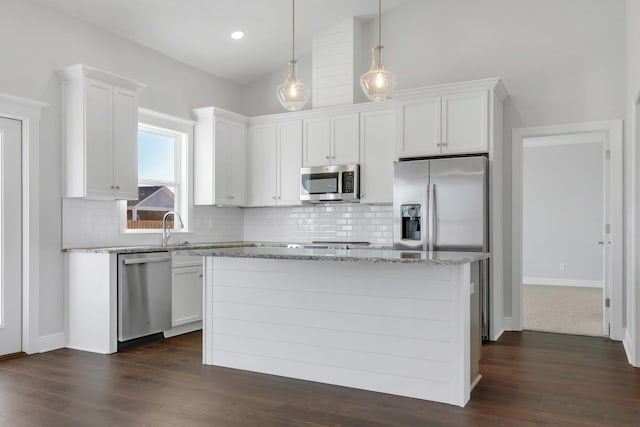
<point x="431" y="191"/>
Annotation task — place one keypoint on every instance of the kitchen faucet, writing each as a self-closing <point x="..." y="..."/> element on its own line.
<point x="166" y="233"/>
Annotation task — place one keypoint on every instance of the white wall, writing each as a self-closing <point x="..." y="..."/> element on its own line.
<point x="34" y="42"/>
<point x="562" y="204"/>
<point x="338" y="222"/>
<point x="562" y="61"/>
<point x="632" y="189"/>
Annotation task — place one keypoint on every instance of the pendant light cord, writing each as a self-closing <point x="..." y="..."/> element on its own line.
<point x="293" y="26"/>
<point x="379" y="22"/>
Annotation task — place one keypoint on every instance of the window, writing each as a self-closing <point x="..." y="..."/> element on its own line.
<point x="162" y="186"/>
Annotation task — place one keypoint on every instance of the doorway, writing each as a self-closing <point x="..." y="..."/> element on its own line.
<point x="610" y="233"/>
<point x="10" y="236"/>
<point x="563" y="224"/>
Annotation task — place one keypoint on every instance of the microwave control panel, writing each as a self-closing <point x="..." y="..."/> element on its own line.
<point x="347" y="182"/>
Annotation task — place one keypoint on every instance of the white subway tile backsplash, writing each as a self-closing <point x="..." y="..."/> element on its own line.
<point x="372" y="223"/>
<point x="91" y="223"/>
<point x="88" y="223"/>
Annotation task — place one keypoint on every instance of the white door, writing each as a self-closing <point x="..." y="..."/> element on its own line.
<point x="10" y="236"/>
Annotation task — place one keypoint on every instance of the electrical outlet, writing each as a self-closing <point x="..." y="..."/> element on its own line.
<point x="562" y="266"/>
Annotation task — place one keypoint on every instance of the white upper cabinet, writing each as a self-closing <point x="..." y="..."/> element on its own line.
<point x="219" y="157"/>
<point x="464" y="123"/>
<point x="331" y="140"/>
<point x="289" y="162"/>
<point x="275" y="158"/>
<point x="376" y="155"/>
<point x="455" y="123"/>
<point x="100" y="128"/>
<point x="262" y="152"/>
<point x="419" y="127"/>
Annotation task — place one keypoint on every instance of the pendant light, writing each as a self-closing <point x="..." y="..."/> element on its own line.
<point x="377" y="83"/>
<point x="293" y="94"/>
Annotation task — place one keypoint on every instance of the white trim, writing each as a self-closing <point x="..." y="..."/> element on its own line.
<point x="162" y="117"/>
<point x="613" y="130"/>
<point x="543" y="142"/>
<point x="495" y="84"/>
<point x="29" y="113"/>
<point x="183" y="329"/>
<point x="82" y="70"/>
<point x="52" y="342"/>
<point x="627" y="343"/>
<point x="546" y="281"/>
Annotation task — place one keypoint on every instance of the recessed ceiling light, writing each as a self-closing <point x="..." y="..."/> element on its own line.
<point x="238" y="35"/>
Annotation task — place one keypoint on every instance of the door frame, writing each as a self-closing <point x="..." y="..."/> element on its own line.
<point x="28" y="112"/>
<point x="613" y="130"/>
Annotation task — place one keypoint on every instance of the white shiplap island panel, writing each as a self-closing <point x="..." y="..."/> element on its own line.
<point x="397" y="328"/>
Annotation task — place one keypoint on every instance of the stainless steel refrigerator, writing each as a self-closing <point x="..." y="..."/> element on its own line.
<point x="442" y="204"/>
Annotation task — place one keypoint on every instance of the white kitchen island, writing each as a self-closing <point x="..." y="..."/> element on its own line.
<point x="389" y="321"/>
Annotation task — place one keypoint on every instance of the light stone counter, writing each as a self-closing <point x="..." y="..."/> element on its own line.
<point x="369" y="255"/>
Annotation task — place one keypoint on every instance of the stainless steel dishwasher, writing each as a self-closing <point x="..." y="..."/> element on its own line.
<point x="144" y="297"/>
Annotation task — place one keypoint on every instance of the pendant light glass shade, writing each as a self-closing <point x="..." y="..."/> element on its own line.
<point x="293" y="94"/>
<point x="377" y="83"/>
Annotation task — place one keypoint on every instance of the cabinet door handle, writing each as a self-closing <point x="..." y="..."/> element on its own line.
<point x="231" y="197"/>
<point x="273" y="197"/>
<point x="333" y="157"/>
<point x="111" y="187"/>
<point x="445" y="144"/>
<point x="327" y="157"/>
<point x="438" y="145"/>
<point x="279" y="198"/>
<point x="117" y="187"/>
<point x="361" y="195"/>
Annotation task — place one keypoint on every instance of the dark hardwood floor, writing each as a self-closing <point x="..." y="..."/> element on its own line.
<point x="530" y="379"/>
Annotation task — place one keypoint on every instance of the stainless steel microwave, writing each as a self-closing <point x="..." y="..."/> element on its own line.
<point x="335" y="183"/>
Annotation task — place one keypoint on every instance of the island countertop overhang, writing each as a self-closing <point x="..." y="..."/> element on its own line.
<point x="341" y="255"/>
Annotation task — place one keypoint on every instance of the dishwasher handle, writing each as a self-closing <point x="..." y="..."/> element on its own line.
<point x="145" y="260"/>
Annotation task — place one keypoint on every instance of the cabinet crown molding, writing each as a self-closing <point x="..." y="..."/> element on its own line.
<point x="208" y="112"/>
<point x="495" y="84"/>
<point x="81" y="70"/>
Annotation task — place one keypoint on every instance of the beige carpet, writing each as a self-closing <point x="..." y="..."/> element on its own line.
<point x="563" y="309"/>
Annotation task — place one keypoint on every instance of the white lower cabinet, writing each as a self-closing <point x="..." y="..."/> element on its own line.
<point x="186" y="281"/>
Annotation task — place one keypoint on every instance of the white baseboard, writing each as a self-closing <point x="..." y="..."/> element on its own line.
<point x="627" y="343"/>
<point x="562" y="282"/>
<point x="507" y="323"/>
<point x="52" y="342"/>
<point x="183" y="329"/>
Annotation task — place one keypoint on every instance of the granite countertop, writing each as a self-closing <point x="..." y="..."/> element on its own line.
<point x="371" y="255"/>
<point x="159" y="248"/>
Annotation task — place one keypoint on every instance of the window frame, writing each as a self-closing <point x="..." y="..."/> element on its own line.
<point x="182" y="132"/>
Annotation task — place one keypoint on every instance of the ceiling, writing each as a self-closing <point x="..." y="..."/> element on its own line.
<point x="196" y="32"/>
